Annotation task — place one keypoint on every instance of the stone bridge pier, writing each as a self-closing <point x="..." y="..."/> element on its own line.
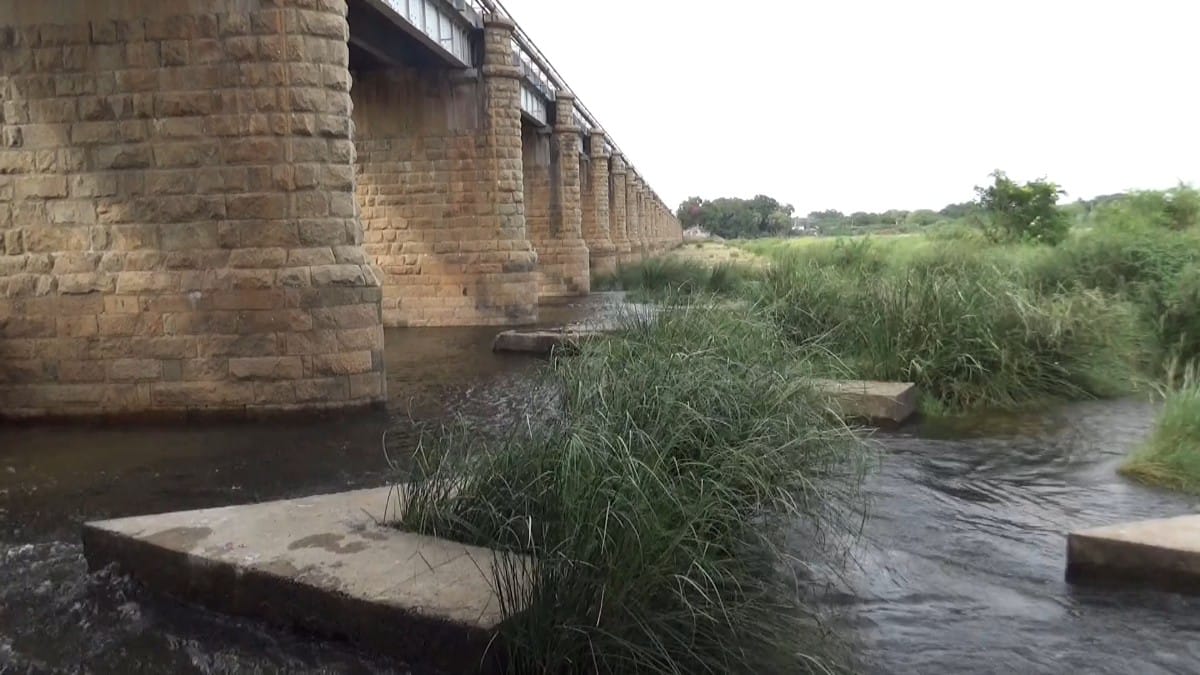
<point x="553" y="202"/>
<point x="217" y="205"/>
<point x="177" y="202"/>
<point x="444" y="203"/>
<point x="596" y="210"/>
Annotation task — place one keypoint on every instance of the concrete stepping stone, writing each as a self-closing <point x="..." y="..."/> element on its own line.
<point x="324" y="564"/>
<point x="877" y="402"/>
<point x="1162" y="553"/>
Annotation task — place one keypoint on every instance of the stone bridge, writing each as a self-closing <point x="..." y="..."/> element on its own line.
<point x="219" y="204"/>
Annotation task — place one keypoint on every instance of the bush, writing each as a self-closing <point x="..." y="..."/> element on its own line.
<point x="655" y="504"/>
<point x="954" y="230"/>
<point x="1154" y="269"/>
<point x="1176" y="209"/>
<point x="1026" y="213"/>
<point x="1171" y="457"/>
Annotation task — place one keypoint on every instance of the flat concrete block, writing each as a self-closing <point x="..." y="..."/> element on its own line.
<point x="541" y="342"/>
<point x="324" y="564"/>
<point x="874" y="401"/>
<point x="1163" y="553"/>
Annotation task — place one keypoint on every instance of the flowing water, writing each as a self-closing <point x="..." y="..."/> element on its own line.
<point x="960" y="568"/>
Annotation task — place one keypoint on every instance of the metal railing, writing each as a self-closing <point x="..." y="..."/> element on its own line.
<point x="448" y="24"/>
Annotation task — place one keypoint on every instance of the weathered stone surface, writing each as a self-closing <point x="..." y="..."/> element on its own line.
<point x="153" y="194"/>
<point x="619" y="208"/>
<point x="441" y="191"/>
<point x="1163" y="553"/>
<point x="874" y="401"/>
<point x="324" y="564"/>
<point x="541" y="342"/>
<point x="633" y="217"/>
<point x="597" y="216"/>
<point x="186" y="176"/>
<point x="552" y="204"/>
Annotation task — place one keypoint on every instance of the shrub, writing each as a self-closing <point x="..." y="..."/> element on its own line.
<point x="1154" y="269"/>
<point x="655" y="504"/>
<point x="954" y="230"/>
<point x="1026" y="212"/>
<point x="1176" y="209"/>
<point x="1171" y="456"/>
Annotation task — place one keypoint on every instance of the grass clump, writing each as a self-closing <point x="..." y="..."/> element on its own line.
<point x="1171" y="457"/>
<point x="654" y="503"/>
<point x="962" y="323"/>
<point x="655" y="278"/>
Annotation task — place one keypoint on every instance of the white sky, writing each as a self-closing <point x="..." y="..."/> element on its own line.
<point x="877" y="104"/>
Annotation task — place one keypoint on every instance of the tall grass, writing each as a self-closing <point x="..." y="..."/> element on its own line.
<point x="965" y="324"/>
<point x="654" y="504"/>
<point x="1171" y="457"/>
<point x="659" y="277"/>
<point x="1156" y="269"/>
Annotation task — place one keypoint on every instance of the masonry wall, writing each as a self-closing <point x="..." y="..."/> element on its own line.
<point x="430" y="198"/>
<point x="177" y="210"/>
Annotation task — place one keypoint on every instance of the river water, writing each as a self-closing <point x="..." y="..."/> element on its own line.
<point x="959" y="569"/>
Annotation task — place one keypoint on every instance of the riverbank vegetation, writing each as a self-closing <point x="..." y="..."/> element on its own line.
<point x="692" y="269"/>
<point x="971" y="327"/>
<point x="1171" y="456"/>
<point x="1018" y="303"/>
<point x="654" y="504"/>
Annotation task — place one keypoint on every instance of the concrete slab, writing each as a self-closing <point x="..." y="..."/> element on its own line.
<point x="1163" y="553"/>
<point x="324" y="564"/>
<point x="874" y="401"/>
<point x="542" y="342"/>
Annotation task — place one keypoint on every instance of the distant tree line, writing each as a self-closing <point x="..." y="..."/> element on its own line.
<point x="734" y="218"/>
<point x="893" y="220"/>
<point x="1003" y="210"/>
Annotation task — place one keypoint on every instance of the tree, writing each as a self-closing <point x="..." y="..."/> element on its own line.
<point x="689" y="211"/>
<point x="958" y="210"/>
<point x="737" y="218"/>
<point x="923" y="218"/>
<point x="1026" y="212"/>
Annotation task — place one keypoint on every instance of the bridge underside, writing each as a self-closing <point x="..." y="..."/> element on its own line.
<point x="219" y="205"/>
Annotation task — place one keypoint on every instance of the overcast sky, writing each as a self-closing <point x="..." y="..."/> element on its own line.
<point x="877" y="104"/>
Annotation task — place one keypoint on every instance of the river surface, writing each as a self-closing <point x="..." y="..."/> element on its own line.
<point x="959" y="569"/>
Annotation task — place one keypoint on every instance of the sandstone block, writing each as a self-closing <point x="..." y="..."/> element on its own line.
<point x="134" y="370"/>
<point x="274" y="321"/>
<point x="323" y="389"/>
<point x="266" y="368"/>
<point x="193" y="394"/>
<point x="344" y="363"/>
